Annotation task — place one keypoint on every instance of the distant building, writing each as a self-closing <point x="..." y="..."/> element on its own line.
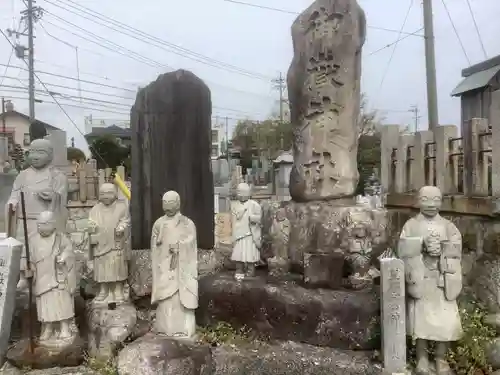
<point x="17" y="127"/>
<point x="218" y="139"/>
<point x="478" y="83"/>
<point x="123" y="135"/>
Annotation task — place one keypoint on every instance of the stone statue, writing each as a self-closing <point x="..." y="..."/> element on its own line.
<point x="45" y="189"/>
<point x="246" y="222"/>
<point x="109" y="225"/>
<point x="174" y="257"/>
<point x="324" y="93"/>
<point x="54" y="269"/>
<point x="431" y="248"/>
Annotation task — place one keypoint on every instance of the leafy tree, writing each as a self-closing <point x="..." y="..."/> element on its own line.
<point x="75" y="154"/>
<point x="17" y="156"/>
<point x="108" y="152"/>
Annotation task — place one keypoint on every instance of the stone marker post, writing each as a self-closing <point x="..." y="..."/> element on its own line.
<point x="393" y="315"/>
<point x="10" y="260"/>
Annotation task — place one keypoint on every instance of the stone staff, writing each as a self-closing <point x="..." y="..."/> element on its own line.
<point x="28" y="273"/>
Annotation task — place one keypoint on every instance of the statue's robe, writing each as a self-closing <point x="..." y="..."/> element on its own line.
<point x="246" y="224"/>
<point x="109" y="252"/>
<point x="432" y="310"/>
<point x="175" y="276"/>
<point x="55" y="282"/>
<point x="31" y="181"/>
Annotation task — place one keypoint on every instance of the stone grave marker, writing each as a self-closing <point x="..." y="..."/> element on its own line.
<point x="10" y="259"/>
<point x="393" y="320"/>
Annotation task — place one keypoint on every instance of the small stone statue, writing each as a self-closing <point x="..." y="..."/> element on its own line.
<point x="431" y="248"/>
<point x="45" y="189"/>
<point x="174" y="257"/>
<point x="246" y="223"/>
<point x="359" y="250"/>
<point x="53" y="261"/>
<point x="109" y="224"/>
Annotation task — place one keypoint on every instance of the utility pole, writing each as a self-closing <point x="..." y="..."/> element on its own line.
<point x="29" y="16"/>
<point x="4" y="130"/>
<point x="280" y="85"/>
<point x="228" y="154"/>
<point x="430" y="66"/>
<point x="415" y="110"/>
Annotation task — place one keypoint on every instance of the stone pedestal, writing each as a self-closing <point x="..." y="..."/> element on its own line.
<point x="323" y="270"/>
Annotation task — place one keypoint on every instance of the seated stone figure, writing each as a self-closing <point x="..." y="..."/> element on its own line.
<point x="431" y="248"/>
<point x="53" y="263"/>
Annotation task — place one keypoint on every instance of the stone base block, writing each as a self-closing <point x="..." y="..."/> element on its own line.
<point x="324" y="270"/>
<point x="42" y="358"/>
<point x="284" y="310"/>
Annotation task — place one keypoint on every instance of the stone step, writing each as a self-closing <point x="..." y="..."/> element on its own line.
<point x="285" y="310"/>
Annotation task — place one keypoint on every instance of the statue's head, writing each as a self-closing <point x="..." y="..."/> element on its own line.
<point x="430" y="200"/>
<point x="108" y="193"/>
<point x="171" y="203"/>
<point x="243" y="192"/>
<point x="46" y="223"/>
<point x="40" y="153"/>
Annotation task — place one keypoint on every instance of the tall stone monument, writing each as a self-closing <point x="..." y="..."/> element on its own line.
<point x="324" y="94"/>
<point x="171" y="146"/>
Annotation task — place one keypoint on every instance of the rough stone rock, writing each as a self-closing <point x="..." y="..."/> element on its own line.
<point x="140" y="276"/>
<point x="152" y="354"/>
<point x="324" y="93"/>
<point x="171" y="133"/>
<point x="109" y="328"/>
<point x="43" y="358"/>
<point x="8" y="369"/>
<point x="324" y="227"/>
<point x="284" y="310"/>
<point x="291" y="358"/>
<point x="323" y="270"/>
<point x="485" y="280"/>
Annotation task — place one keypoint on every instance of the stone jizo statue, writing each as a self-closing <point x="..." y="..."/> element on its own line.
<point x="246" y="223"/>
<point x="109" y="227"/>
<point x="45" y="189"/>
<point x="53" y="263"/>
<point x="431" y="248"/>
<point x="174" y="256"/>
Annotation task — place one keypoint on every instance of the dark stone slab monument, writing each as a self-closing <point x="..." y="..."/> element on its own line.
<point x="171" y="147"/>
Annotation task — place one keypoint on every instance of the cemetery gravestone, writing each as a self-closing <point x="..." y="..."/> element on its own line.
<point x="10" y="260"/>
<point x="171" y="148"/>
<point x="393" y="315"/>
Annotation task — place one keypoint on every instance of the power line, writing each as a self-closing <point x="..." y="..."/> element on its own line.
<point x="148" y="38"/>
<point x="53" y="98"/>
<point x="456" y="31"/>
<point x="147" y="61"/>
<point x="76" y="79"/>
<point x="386" y="70"/>
<point x="477" y="29"/>
<point x="297" y="13"/>
<point x="107" y="103"/>
<point x="393" y="43"/>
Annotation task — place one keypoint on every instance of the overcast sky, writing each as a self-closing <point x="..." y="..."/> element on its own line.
<point x="253" y="39"/>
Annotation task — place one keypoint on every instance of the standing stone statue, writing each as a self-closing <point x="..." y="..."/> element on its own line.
<point x="174" y="257"/>
<point x="109" y="224"/>
<point x="246" y="223"/>
<point x="324" y="93"/>
<point x="45" y="189"/>
<point x="53" y="261"/>
<point x="431" y="248"/>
